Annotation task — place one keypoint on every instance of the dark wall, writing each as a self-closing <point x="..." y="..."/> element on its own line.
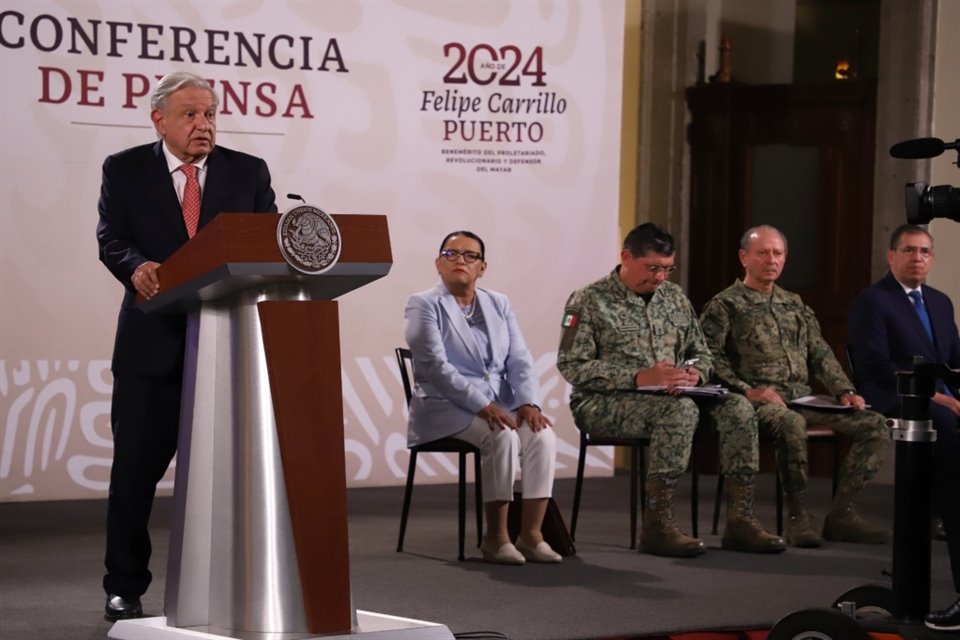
<point x="831" y="30"/>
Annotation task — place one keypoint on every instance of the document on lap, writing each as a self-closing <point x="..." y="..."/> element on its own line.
<point x="708" y="391"/>
<point x="820" y="403"/>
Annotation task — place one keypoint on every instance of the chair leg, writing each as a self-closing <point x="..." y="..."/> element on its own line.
<point x="716" y="503"/>
<point x="411" y="469"/>
<point x="836" y="466"/>
<point x="642" y="479"/>
<point x="478" y="493"/>
<point x="578" y="487"/>
<point x="695" y="488"/>
<point x="634" y="464"/>
<point x="462" y="504"/>
<point x="779" y="490"/>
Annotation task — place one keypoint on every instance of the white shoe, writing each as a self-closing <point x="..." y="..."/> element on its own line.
<point x="507" y="554"/>
<point x="543" y="552"/>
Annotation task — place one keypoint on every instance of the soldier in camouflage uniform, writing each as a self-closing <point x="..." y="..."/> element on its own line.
<point x="631" y="329"/>
<point x="766" y="343"/>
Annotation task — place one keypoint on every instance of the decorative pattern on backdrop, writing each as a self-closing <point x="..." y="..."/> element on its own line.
<point x="502" y="118"/>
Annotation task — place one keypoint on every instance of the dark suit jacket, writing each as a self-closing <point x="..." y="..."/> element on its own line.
<point x="141" y="220"/>
<point x="886" y="333"/>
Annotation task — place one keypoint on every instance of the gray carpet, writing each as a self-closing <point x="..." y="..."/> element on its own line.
<point x="51" y="566"/>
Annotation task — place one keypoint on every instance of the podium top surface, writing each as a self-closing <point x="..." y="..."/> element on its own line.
<point x="239" y="251"/>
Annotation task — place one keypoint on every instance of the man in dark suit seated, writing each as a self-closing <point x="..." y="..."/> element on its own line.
<point x="892" y="321"/>
<point x="153" y="198"/>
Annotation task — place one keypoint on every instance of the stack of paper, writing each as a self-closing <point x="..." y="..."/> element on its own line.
<point x="708" y="391"/>
<point x="820" y="403"/>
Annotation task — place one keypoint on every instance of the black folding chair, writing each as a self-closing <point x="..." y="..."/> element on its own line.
<point x="445" y="445"/>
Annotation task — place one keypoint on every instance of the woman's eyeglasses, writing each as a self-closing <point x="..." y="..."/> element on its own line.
<point x="468" y="256"/>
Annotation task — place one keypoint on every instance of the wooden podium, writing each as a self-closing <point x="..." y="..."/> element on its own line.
<point x="259" y="537"/>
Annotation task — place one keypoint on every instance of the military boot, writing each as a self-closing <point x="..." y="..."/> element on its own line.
<point x="743" y="531"/>
<point x="844" y="524"/>
<point x="660" y="535"/>
<point x="799" y="529"/>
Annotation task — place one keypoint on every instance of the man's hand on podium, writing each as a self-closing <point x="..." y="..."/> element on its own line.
<point x="145" y="279"/>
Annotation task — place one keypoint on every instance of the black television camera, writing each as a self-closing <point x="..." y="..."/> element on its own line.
<point x="924" y="203"/>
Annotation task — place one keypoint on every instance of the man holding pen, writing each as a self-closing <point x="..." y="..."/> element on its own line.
<point x="630" y="329"/>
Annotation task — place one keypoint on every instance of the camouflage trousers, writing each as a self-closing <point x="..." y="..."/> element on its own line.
<point x="788" y="429"/>
<point x="670" y="423"/>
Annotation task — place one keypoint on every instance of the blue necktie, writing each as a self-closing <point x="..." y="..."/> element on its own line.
<point x="922" y="312"/>
<point x="925" y="321"/>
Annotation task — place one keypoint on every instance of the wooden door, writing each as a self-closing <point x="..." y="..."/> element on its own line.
<point x="799" y="157"/>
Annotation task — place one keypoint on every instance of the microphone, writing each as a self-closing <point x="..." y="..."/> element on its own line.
<point x="922" y="148"/>
<point x="296" y="196"/>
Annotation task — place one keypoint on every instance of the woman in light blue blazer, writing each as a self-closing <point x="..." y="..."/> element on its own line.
<point x="475" y="382"/>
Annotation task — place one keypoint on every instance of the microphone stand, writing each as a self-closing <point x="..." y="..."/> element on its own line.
<point x="908" y="600"/>
<point x="914" y="439"/>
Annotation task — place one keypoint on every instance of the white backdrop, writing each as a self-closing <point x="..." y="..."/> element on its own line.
<point x="499" y="117"/>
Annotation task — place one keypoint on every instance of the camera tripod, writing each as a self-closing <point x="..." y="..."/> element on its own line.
<point x="898" y="609"/>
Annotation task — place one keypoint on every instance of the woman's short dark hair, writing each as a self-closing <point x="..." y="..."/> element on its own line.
<point x="648" y="238"/>
<point x="466" y="234"/>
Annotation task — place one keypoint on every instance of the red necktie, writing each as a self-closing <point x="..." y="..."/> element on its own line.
<point x="191" y="199"/>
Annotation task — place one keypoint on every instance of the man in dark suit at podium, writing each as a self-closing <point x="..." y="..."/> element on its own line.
<point x="153" y="198"/>
<point x="892" y="321"/>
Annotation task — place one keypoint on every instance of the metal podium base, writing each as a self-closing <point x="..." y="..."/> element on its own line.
<point x="370" y="626"/>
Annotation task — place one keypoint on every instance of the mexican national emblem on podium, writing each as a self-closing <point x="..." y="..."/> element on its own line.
<point x="309" y="239"/>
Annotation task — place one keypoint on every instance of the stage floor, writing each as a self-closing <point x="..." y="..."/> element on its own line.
<point x="51" y="567"/>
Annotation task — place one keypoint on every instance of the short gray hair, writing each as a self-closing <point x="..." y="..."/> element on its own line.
<point x="745" y="239"/>
<point x="173" y="82"/>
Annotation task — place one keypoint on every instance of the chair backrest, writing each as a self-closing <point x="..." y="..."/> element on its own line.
<point x="853" y="372"/>
<point x="405" y="363"/>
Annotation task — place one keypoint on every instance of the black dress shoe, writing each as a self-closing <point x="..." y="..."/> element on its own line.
<point x="120" y="608"/>
<point x="946" y="620"/>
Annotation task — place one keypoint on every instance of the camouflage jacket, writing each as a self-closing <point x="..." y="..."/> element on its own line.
<point x="610" y="333"/>
<point x="768" y="340"/>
